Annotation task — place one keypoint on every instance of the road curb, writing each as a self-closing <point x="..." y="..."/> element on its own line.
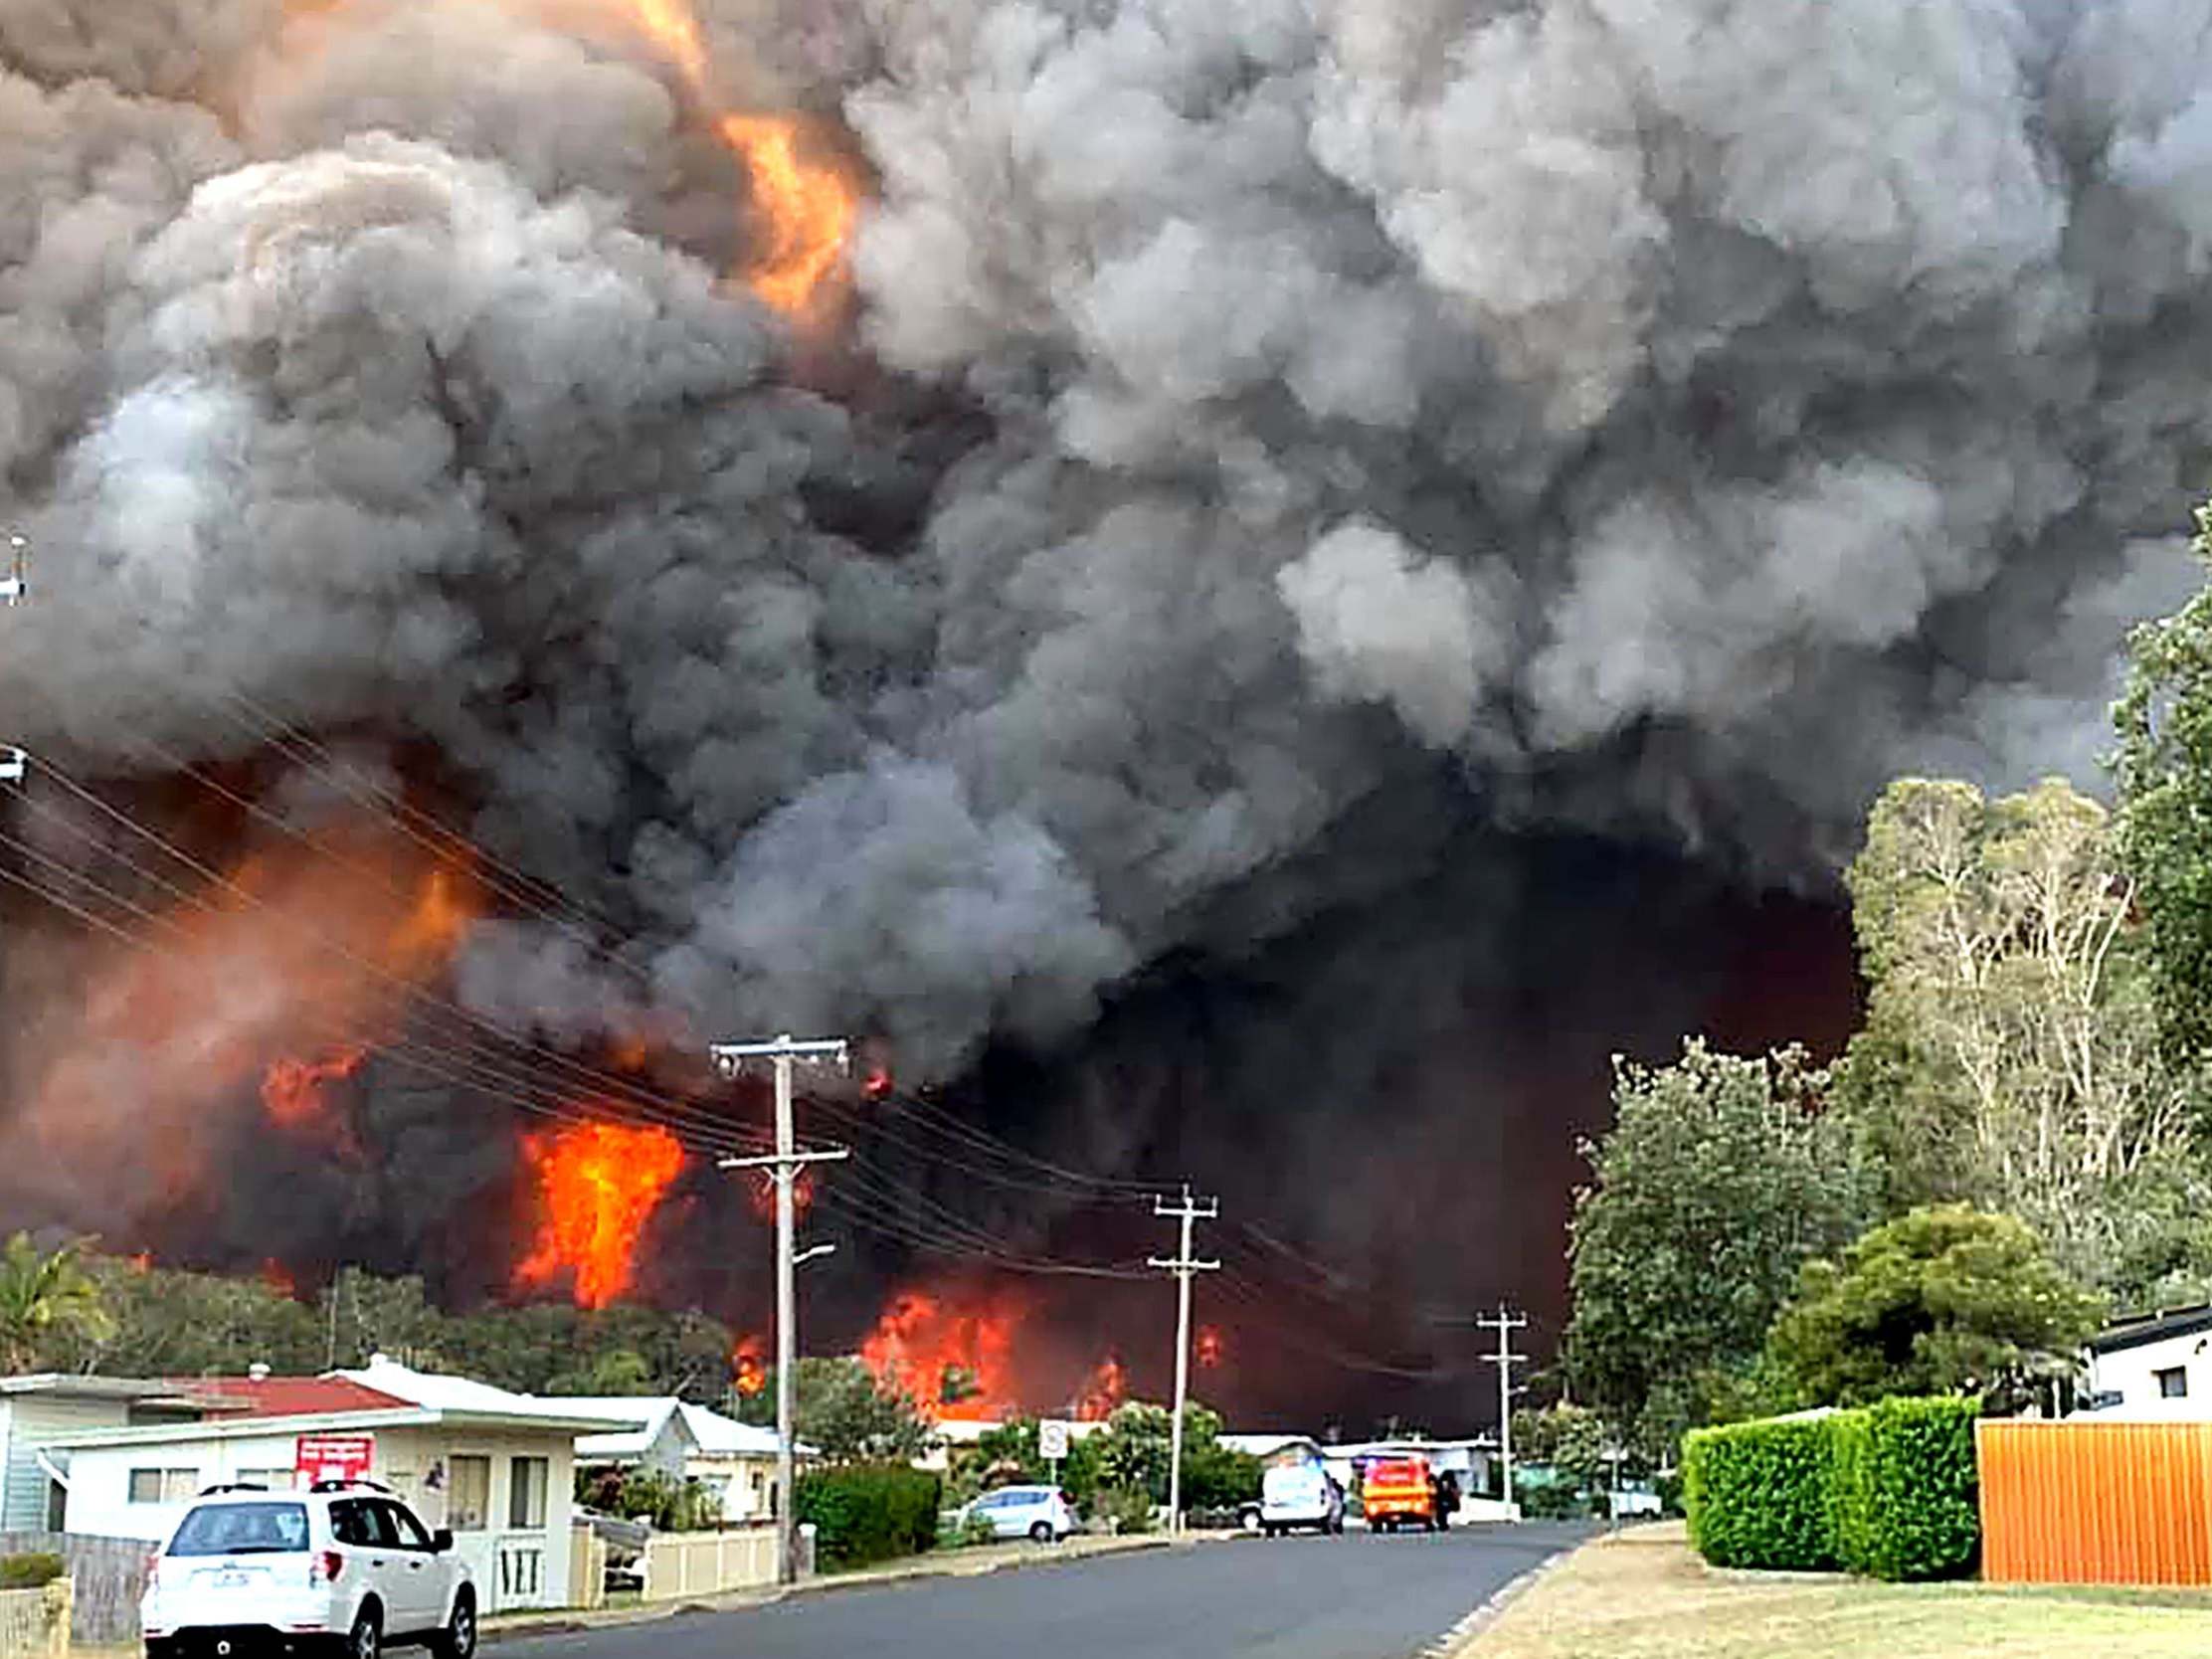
<point x="1461" y="1637"/>
<point x="576" y="1623"/>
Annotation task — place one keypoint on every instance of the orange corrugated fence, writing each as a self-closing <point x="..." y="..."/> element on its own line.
<point x="2095" y="1503"/>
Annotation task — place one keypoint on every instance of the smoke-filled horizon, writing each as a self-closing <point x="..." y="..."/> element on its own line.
<point x="1265" y="452"/>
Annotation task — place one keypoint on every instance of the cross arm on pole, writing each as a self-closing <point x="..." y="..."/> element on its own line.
<point x="775" y="1159"/>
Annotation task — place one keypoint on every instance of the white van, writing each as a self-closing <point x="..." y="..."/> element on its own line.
<point x="1299" y="1495"/>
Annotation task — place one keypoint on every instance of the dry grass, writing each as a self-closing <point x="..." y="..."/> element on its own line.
<point x="1643" y="1596"/>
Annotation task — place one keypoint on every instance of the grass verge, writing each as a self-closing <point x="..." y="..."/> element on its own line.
<point x="1643" y="1596"/>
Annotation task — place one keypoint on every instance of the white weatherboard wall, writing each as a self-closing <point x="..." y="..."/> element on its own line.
<point x="2133" y="1374"/>
<point x="512" y="1567"/>
<point x="27" y="1422"/>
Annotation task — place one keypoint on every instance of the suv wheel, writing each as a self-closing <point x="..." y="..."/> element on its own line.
<point x="366" y="1639"/>
<point x="1042" y="1533"/>
<point x="459" y="1639"/>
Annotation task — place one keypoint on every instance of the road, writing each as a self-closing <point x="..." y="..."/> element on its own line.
<point x="1351" y="1598"/>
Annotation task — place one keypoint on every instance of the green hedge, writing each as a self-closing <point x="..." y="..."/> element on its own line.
<point x="30" y="1571"/>
<point x="1912" y="1509"/>
<point x="869" y="1512"/>
<point x="1888" y="1491"/>
<point x="1759" y="1493"/>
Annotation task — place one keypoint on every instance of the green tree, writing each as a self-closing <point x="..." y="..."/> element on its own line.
<point x="1570" y="1438"/>
<point x="616" y="1371"/>
<point x="845" y="1413"/>
<point x="1947" y="1299"/>
<point x="2163" y="767"/>
<point x="2009" y="1055"/>
<point x="47" y="1300"/>
<point x="1720" y="1176"/>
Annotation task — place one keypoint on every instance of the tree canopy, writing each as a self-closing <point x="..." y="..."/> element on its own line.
<point x="1721" y="1175"/>
<point x="844" y="1412"/>
<point x="47" y="1299"/>
<point x="2009" y="1056"/>
<point x="1945" y="1299"/>
<point x="2164" y="766"/>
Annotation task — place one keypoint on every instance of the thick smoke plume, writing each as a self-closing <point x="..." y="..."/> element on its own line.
<point x="1664" y="419"/>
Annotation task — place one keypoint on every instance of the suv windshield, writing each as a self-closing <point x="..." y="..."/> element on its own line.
<point x="242" y="1529"/>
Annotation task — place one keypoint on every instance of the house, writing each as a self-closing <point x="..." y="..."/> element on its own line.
<point x="687" y="1442"/>
<point x="34" y="1409"/>
<point x="494" y="1467"/>
<point x="2153" y="1367"/>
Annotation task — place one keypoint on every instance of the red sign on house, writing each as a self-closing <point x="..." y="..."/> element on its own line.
<point x="333" y="1457"/>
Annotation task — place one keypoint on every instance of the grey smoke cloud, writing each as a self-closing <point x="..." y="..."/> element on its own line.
<point x="1671" y="418"/>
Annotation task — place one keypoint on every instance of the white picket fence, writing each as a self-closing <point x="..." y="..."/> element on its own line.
<point x="34" y="1623"/>
<point x="679" y="1564"/>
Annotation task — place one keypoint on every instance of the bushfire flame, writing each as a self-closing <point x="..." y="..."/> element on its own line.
<point x="748" y="1370"/>
<point x="296" y="951"/>
<point x="598" y="1185"/>
<point x="292" y="1093"/>
<point x="927" y="1349"/>
<point x="1103" y="1391"/>
<point x="1206" y="1347"/>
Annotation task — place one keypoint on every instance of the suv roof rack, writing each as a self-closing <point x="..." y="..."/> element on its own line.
<point x="352" y="1484"/>
<point x="232" y="1486"/>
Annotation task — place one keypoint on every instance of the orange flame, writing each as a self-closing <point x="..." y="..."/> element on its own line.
<point x="1206" y="1349"/>
<point x="295" y="946"/>
<point x="807" y="210"/>
<point x="748" y="1368"/>
<point x="1103" y="1391"/>
<point x="142" y="1262"/>
<point x="599" y="1184"/>
<point x="279" y="1278"/>
<point x="291" y="1090"/>
<point x="949" y="1361"/>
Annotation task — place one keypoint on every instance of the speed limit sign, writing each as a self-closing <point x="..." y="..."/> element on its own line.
<point x="1051" y="1440"/>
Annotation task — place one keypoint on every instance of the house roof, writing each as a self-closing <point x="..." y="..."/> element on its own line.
<point x="288" y="1396"/>
<point x="88" y="1387"/>
<point x="465" y="1397"/>
<point x="712" y="1433"/>
<point x="2143" y="1329"/>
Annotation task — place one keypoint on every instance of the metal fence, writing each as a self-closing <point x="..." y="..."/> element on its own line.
<point x="2090" y="1503"/>
<point x="34" y="1623"/>
<point x="109" y="1574"/>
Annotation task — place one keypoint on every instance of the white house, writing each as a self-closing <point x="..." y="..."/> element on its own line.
<point x="494" y="1467"/>
<point x="34" y="1409"/>
<point x="687" y="1442"/>
<point x="2154" y="1369"/>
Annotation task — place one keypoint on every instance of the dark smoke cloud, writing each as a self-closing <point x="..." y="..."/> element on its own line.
<point x="1669" y="419"/>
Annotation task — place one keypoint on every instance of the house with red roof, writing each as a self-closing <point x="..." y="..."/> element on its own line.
<point x="494" y="1467"/>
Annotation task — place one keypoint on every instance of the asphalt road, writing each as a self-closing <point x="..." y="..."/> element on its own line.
<point x="1351" y="1598"/>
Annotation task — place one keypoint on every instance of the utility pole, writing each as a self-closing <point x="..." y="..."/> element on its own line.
<point x="15" y="588"/>
<point x="786" y="1163"/>
<point x="1505" y="1321"/>
<point x="1183" y="1266"/>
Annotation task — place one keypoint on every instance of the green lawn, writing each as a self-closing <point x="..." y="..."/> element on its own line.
<point x="1644" y="1595"/>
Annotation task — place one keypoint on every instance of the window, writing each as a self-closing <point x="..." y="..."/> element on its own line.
<point x="350" y="1523"/>
<point x="410" y="1531"/>
<point x="242" y="1529"/>
<point x="468" y="1503"/>
<point x="2173" y="1383"/>
<point x="163" y="1486"/>
<point x="526" y="1495"/>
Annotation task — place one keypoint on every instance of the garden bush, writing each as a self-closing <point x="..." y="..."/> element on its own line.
<point x="1759" y="1493"/>
<point x="30" y="1571"/>
<point x="1911" y="1505"/>
<point x="869" y="1512"/>
<point x="1887" y="1491"/>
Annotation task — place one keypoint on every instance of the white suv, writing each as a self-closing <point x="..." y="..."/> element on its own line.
<point x="345" y="1563"/>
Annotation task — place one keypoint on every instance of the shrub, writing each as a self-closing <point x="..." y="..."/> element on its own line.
<point x="1909" y="1509"/>
<point x="1124" y="1509"/>
<point x="1888" y="1491"/>
<point x="1759" y="1493"/>
<point x="869" y="1512"/>
<point x="30" y="1571"/>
